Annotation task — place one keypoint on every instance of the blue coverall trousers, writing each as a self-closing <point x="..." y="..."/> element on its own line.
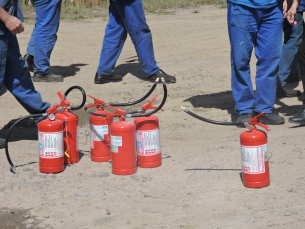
<point x="16" y="77"/>
<point x="261" y="29"/>
<point x="127" y="16"/>
<point x="44" y="35"/>
<point x="289" y="63"/>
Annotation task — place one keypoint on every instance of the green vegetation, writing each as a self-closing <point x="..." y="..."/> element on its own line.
<point x="96" y="8"/>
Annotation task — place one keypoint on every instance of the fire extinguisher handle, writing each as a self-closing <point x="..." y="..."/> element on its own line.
<point x="263" y="125"/>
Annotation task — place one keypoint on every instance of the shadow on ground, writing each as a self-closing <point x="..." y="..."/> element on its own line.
<point x="224" y="101"/>
<point x="132" y="68"/>
<point x="25" y="130"/>
<point x="66" y="71"/>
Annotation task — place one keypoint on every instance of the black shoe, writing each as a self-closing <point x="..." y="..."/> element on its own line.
<point x="49" y="77"/>
<point x="2" y="143"/>
<point x="160" y="74"/>
<point x="100" y="78"/>
<point x="298" y="118"/>
<point x="283" y="91"/>
<point x="270" y="118"/>
<point x="30" y="60"/>
<point x="243" y="118"/>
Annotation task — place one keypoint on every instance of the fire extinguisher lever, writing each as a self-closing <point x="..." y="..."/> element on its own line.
<point x="255" y="121"/>
<point x="117" y="113"/>
<point x="148" y="105"/>
<point x="97" y="103"/>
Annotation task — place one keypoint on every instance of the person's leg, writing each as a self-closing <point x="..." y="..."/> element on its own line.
<point x="242" y="33"/>
<point x="47" y="23"/>
<point x="114" y="39"/>
<point x="134" y="19"/>
<point x="292" y="40"/>
<point x="268" y="52"/>
<point x="18" y="81"/>
<point x="300" y="117"/>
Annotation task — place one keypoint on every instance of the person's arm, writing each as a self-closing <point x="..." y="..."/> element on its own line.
<point x="290" y="8"/>
<point x="12" y="23"/>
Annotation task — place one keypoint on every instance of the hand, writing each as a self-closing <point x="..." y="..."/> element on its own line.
<point x="13" y="24"/>
<point x="290" y="8"/>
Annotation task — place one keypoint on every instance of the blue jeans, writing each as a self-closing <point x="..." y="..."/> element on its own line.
<point x="289" y="63"/>
<point x="44" y="35"/>
<point x="127" y="17"/>
<point x="261" y="29"/>
<point x="16" y="77"/>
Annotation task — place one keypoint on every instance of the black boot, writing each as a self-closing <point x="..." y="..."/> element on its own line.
<point x="30" y="60"/>
<point x="160" y="74"/>
<point x="283" y="91"/>
<point x="298" y="118"/>
<point x="49" y="77"/>
<point x="101" y="79"/>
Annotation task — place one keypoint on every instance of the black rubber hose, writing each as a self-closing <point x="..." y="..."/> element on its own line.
<point x="209" y="120"/>
<point x="83" y="93"/>
<point x="137" y="101"/>
<point x="153" y="111"/>
<point x="13" y="168"/>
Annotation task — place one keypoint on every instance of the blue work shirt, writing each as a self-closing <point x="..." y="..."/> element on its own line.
<point x="257" y="4"/>
<point x="14" y="9"/>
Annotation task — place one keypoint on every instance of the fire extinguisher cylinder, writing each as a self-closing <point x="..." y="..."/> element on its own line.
<point x="123" y="145"/>
<point x="51" y="149"/>
<point x="254" y="154"/>
<point x="70" y="136"/>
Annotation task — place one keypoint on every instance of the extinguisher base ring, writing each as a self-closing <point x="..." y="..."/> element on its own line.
<point x="100" y="159"/>
<point x="57" y="169"/>
<point x="124" y="171"/>
<point x="259" y="184"/>
<point x="150" y="164"/>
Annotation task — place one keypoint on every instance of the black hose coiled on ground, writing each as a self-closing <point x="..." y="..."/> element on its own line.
<point x="210" y="120"/>
<point x="83" y="93"/>
<point x="13" y="168"/>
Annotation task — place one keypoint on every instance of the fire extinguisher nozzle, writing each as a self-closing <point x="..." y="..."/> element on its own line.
<point x="14" y="170"/>
<point x="184" y="109"/>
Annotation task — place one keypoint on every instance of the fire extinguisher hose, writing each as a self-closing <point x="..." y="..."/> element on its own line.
<point x="13" y="168"/>
<point x="137" y="101"/>
<point x="132" y="115"/>
<point x="83" y="93"/>
<point x="210" y="120"/>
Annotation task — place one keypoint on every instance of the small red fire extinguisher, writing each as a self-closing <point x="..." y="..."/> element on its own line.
<point x="51" y="148"/>
<point x="100" y="137"/>
<point x="70" y="131"/>
<point x="148" y="138"/>
<point x="254" y="154"/>
<point x="123" y="144"/>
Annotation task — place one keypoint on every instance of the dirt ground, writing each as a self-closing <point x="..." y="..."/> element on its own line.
<point x="199" y="183"/>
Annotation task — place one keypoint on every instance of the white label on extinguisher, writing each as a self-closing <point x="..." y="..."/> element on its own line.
<point x="116" y="141"/>
<point x="148" y="142"/>
<point x="98" y="132"/>
<point x="253" y="158"/>
<point x="51" y="144"/>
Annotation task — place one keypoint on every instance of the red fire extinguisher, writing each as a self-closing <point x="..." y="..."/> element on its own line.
<point x="100" y="137"/>
<point x="148" y="138"/>
<point x="70" y="131"/>
<point x="254" y="154"/>
<point x="123" y="144"/>
<point x="50" y="138"/>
